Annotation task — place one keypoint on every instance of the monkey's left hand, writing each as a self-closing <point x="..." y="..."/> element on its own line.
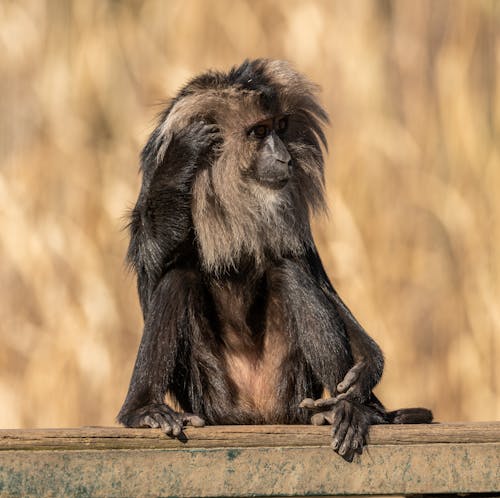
<point x="346" y="412"/>
<point x="350" y="423"/>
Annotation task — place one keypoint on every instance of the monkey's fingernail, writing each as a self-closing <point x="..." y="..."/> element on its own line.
<point x="335" y="444"/>
<point x="344" y="448"/>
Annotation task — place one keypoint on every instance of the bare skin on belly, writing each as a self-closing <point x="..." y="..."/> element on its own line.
<point x="254" y="347"/>
<point x="256" y="377"/>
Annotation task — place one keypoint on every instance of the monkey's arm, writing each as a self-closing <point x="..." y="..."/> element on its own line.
<point x="318" y="329"/>
<point x="368" y="358"/>
<point x="161" y="219"/>
<point x="164" y="344"/>
<point x="313" y="324"/>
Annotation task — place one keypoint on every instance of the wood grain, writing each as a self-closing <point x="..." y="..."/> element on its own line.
<point x="241" y="436"/>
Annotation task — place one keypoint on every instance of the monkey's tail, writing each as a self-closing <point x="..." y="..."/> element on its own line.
<point x="410" y="416"/>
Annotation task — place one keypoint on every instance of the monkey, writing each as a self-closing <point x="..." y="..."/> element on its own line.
<point x="241" y="322"/>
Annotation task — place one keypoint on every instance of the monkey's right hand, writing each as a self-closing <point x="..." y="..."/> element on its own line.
<point x="188" y="149"/>
<point x="156" y="415"/>
<point x="163" y="211"/>
<point x="197" y="144"/>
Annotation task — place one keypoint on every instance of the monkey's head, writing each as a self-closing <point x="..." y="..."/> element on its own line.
<point x="255" y="197"/>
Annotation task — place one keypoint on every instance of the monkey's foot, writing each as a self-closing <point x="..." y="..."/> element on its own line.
<point x="156" y="415"/>
<point x="350" y="423"/>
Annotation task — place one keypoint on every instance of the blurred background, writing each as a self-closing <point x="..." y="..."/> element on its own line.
<point x="413" y="183"/>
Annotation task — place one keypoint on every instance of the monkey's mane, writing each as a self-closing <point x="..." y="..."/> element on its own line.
<point x="234" y="218"/>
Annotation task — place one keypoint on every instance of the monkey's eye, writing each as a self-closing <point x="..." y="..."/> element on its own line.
<point x="260" y="131"/>
<point x="282" y="125"/>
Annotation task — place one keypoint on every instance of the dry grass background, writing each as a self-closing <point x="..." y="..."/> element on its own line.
<point x="413" y="177"/>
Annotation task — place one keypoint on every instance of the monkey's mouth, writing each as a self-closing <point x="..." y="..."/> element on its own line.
<point x="274" y="183"/>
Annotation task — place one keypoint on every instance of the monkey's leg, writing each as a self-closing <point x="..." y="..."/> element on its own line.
<point x="165" y="339"/>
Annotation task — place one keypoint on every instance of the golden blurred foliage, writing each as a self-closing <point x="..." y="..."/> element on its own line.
<point x="413" y="182"/>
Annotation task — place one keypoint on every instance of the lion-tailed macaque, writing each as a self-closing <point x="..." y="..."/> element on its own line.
<point x="241" y="323"/>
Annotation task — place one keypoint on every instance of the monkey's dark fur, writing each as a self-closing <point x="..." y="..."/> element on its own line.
<point x="241" y="323"/>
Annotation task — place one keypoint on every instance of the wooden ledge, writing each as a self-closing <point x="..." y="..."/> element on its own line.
<point x="248" y="461"/>
<point x="245" y="436"/>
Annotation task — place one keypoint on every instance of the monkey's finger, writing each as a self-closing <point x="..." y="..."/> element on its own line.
<point x="307" y="403"/>
<point x="351" y="377"/>
<point x="341" y="432"/>
<point x="169" y="425"/>
<point x="176" y="428"/>
<point x="318" y="419"/>
<point x="212" y="132"/>
<point x="336" y="418"/>
<point x="358" y="443"/>
<point x="348" y="381"/>
<point x="197" y="126"/>
<point x="345" y="395"/>
<point x="346" y="445"/>
<point x="339" y="436"/>
<point x="336" y="421"/>
<point x="325" y="402"/>
<point x="193" y="420"/>
<point x="172" y="421"/>
<point x="162" y="422"/>
<point x="329" y="416"/>
<point x="148" y="421"/>
<point x="212" y="128"/>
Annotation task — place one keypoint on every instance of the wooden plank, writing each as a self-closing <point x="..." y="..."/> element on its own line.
<point x="248" y="461"/>
<point x="241" y="436"/>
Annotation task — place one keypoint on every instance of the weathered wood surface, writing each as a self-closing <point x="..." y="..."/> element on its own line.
<point x="248" y="461"/>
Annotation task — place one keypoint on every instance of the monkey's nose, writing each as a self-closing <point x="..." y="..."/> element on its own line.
<point x="282" y="156"/>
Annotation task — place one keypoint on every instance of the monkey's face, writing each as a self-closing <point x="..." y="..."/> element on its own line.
<point x="272" y="166"/>
<point x="253" y="197"/>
